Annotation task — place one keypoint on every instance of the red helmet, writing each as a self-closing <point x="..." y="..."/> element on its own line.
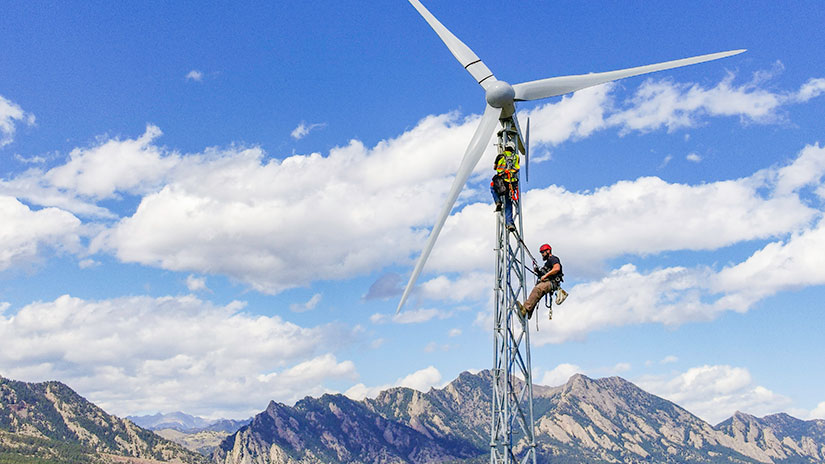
<point x="546" y="247"/>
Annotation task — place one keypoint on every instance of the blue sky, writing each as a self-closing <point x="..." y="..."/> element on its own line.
<point x="207" y="207"/>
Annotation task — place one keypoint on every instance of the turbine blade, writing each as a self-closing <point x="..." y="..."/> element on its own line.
<point x="474" y="151"/>
<point x="527" y="153"/>
<point x="469" y="60"/>
<point x="535" y="90"/>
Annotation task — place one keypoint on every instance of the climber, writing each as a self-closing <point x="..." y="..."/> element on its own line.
<point x="550" y="277"/>
<point x="504" y="185"/>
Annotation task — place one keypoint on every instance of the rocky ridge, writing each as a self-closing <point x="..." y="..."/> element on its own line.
<point x="606" y="420"/>
<point x="50" y="421"/>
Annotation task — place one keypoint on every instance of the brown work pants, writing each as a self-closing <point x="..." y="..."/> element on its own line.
<point x="542" y="288"/>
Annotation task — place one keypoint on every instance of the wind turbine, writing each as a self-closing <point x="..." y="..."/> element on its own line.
<point x="500" y="104"/>
<point x="512" y="437"/>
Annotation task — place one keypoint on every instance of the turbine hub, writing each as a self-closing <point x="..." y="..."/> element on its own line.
<point x="500" y="94"/>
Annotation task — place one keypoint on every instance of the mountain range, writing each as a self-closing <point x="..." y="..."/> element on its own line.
<point x="606" y="420"/>
<point x="192" y="432"/>
<point x="185" y="423"/>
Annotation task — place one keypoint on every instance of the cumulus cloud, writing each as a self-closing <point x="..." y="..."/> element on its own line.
<point x="10" y="115"/>
<point x="715" y="393"/>
<point x="194" y="75"/>
<point x="818" y="412"/>
<point x="559" y="374"/>
<point x="98" y="172"/>
<point x="421" y="380"/>
<point x="136" y="354"/>
<point x="239" y="213"/>
<point x="306" y="306"/>
<point x="103" y="171"/>
<point x="194" y="283"/>
<point x="810" y="89"/>
<point x="676" y="295"/>
<point x="304" y="129"/>
<point x="30" y="160"/>
<point x="416" y="316"/>
<point x="663" y="103"/>
<point x="693" y="157"/>
<point x="25" y="233"/>
<point x="643" y="217"/>
<point x="233" y="214"/>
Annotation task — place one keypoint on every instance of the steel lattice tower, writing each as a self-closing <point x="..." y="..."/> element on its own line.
<point x="512" y="439"/>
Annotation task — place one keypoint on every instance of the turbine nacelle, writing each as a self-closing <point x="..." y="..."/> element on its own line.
<point x="500" y="94"/>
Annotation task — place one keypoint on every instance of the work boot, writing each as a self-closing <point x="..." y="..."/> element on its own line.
<point x="498" y="206"/>
<point x="522" y="311"/>
<point x="561" y="295"/>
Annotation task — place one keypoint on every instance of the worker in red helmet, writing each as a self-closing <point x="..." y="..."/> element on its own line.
<point x="550" y="278"/>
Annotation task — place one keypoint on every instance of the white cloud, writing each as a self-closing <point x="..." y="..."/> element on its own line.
<point x="24" y="233"/>
<point x="306" y="306"/>
<point x="238" y="213"/>
<point x="714" y="393"/>
<point x="641" y="217"/>
<point x="818" y="412"/>
<point x="303" y="129"/>
<point x="416" y="316"/>
<point x="621" y="367"/>
<point x="87" y="263"/>
<point x="194" y="283"/>
<point x="573" y="117"/>
<point x="811" y="89"/>
<point x="136" y="354"/>
<point x="660" y="104"/>
<point x="11" y="114"/>
<point x="30" y="160"/>
<point x="132" y="166"/>
<point x="669" y="359"/>
<point x="559" y="374"/>
<point x="677" y="295"/>
<point x="421" y="380"/>
<point x="230" y="200"/>
<point x="693" y="157"/>
<point x="454" y="333"/>
<point x="194" y="75"/>
<point x="102" y="171"/>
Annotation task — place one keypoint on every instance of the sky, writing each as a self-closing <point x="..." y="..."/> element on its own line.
<point x="208" y="206"/>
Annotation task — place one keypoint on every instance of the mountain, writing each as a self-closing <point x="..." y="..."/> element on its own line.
<point x="606" y="420"/>
<point x="779" y="437"/>
<point x="179" y="421"/>
<point x="330" y="429"/>
<point x="192" y="432"/>
<point x="49" y="422"/>
<point x="186" y="423"/>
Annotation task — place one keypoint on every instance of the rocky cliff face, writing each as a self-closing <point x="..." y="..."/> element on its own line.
<point x="600" y="421"/>
<point x="331" y="429"/>
<point x="777" y="438"/>
<point x="39" y="418"/>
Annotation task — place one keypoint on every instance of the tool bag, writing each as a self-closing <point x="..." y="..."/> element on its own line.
<point x="499" y="185"/>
